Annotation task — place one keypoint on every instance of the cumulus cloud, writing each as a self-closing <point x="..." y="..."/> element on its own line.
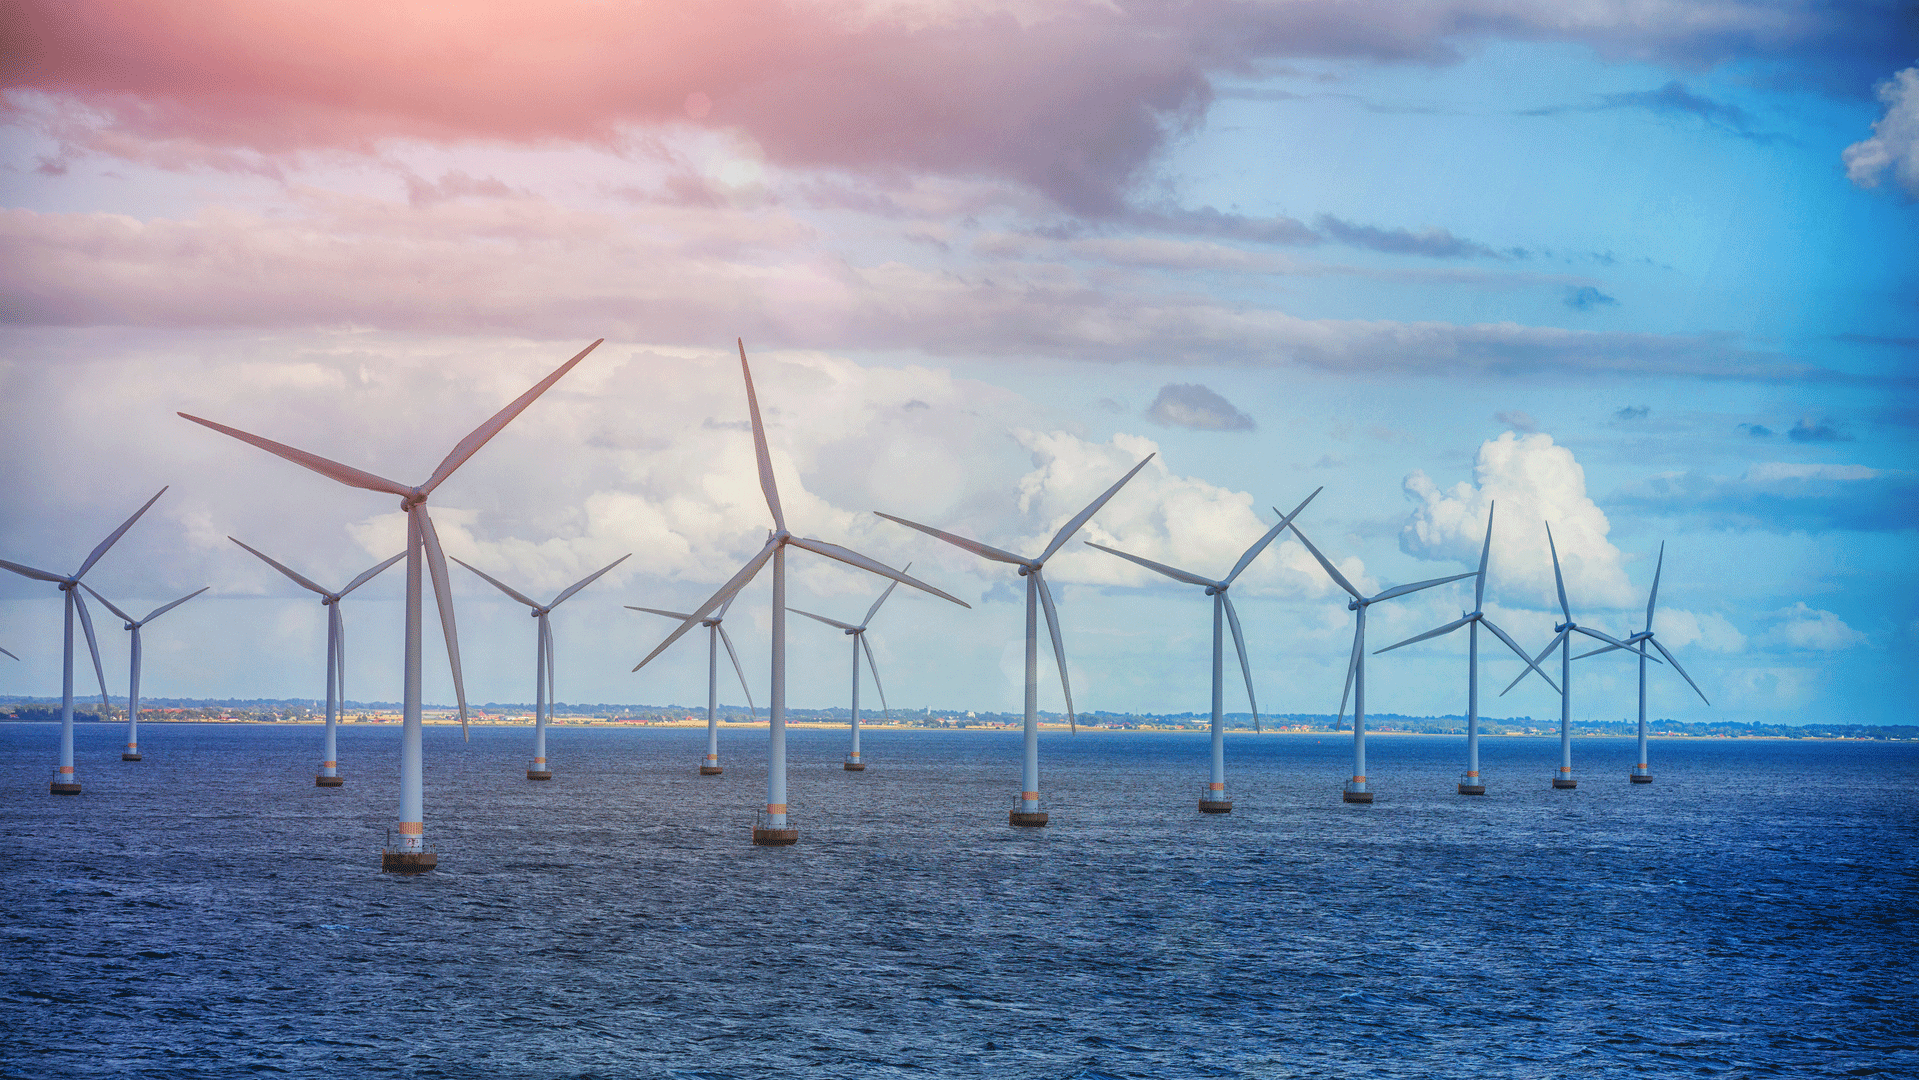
<point x="1806" y="629"/>
<point x="1678" y="629"/>
<point x="1895" y="145"/>
<point x="1527" y="479"/>
<point x="1190" y="405"/>
<point x="1780" y="496"/>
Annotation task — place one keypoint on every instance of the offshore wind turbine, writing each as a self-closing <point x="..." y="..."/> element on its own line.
<point x="1355" y="790"/>
<point x="859" y="636"/>
<point x="1214" y="800"/>
<point x="716" y="636"/>
<point x="329" y="775"/>
<point x="1641" y="774"/>
<point x="1471" y="784"/>
<point x="132" y="752"/>
<point x="423" y="556"/>
<point x="774" y="829"/>
<point x="65" y="782"/>
<point x="1563" y="639"/>
<point x="543" y="698"/>
<point x="1026" y="811"/>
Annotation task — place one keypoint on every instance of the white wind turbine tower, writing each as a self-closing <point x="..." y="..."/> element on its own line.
<point x="132" y="752"/>
<point x="329" y="775"/>
<point x="423" y="556"/>
<point x="1641" y="774"/>
<point x="1027" y="810"/>
<point x="1563" y="638"/>
<point x="1471" y="784"/>
<point x="1356" y="790"/>
<point x="543" y="698"/>
<point x="774" y="828"/>
<point x="716" y="636"/>
<point x="1214" y="799"/>
<point x="64" y="781"/>
<point x="859" y="636"/>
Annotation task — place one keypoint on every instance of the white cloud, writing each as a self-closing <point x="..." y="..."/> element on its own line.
<point x="1806" y="629"/>
<point x="1528" y="479"/>
<point x="1678" y="628"/>
<point x="1893" y="145"/>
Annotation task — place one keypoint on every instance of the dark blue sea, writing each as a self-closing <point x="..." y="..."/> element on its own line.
<point x="210" y="913"/>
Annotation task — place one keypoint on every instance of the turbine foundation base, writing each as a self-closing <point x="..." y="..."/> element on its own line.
<point x="329" y="781"/>
<point x="1216" y="806"/>
<point x="1561" y="783"/>
<point x="1364" y="797"/>
<point x="854" y="766"/>
<point x="539" y="774"/>
<point x="1473" y="789"/>
<point x="1641" y="778"/>
<point x="57" y="788"/>
<point x="129" y="757"/>
<point x="408" y="862"/>
<point x="1027" y="819"/>
<point x="776" y="837"/>
<point x="711" y="770"/>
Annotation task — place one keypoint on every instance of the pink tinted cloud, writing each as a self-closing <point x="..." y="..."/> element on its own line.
<point x="1072" y="98"/>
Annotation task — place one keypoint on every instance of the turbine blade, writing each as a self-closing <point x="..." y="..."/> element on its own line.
<point x="760" y="455"/>
<point x="124" y="617"/>
<point x="443" y="596"/>
<point x="473" y="442"/>
<point x="28" y="571"/>
<point x="854" y="558"/>
<point x="1246" y="669"/>
<point x="9" y="654"/>
<point x="1655" y="591"/>
<point x="1447" y="629"/>
<point x="1534" y="663"/>
<point x="1603" y="649"/>
<point x="1486" y="548"/>
<point x="961" y="542"/>
<point x="822" y="618"/>
<point x="497" y="583"/>
<point x="331" y="469"/>
<point x="370" y="575"/>
<point x="1608" y="638"/>
<point x="875" y="609"/>
<point x="738" y="670"/>
<point x="657" y="611"/>
<point x="117" y="534"/>
<point x="586" y="581"/>
<point x="1402" y="590"/>
<point x="1059" y="650"/>
<point x="1158" y="568"/>
<point x="1066" y="531"/>
<point x="1338" y="578"/>
<point x="722" y="613"/>
<point x="1558" y="581"/>
<point x="163" y="609"/>
<point x="875" y="668"/>
<point x="297" y="579"/>
<point x="733" y="585"/>
<point x="93" y="646"/>
<point x="1260" y="546"/>
<point x="1521" y="653"/>
<point x="1678" y="668"/>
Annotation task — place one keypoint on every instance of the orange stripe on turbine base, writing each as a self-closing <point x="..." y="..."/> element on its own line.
<point x="1216" y="787"/>
<point x="329" y="764"/>
<point x="409" y="828"/>
<point x="1030" y="796"/>
<point x="776" y="808"/>
<point x="66" y="770"/>
<point x="539" y="761"/>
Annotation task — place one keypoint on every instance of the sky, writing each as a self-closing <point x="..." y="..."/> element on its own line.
<point x="1644" y="272"/>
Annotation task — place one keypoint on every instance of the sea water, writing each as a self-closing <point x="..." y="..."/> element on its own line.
<point x="210" y="913"/>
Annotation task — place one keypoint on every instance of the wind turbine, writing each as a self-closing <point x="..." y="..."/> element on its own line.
<point x="423" y="547"/>
<point x="1563" y="638"/>
<point x="9" y="654"/>
<point x="1470" y="784"/>
<point x="1215" y="800"/>
<point x="329" y="775"/>
<point x="132" y="752"/>
<point x="1641" y="774"/>
<point x="64" y="781"/>
<point x="859" y="636"/>
<point x="774" y="829"/>
<point x="1355" y="790"/>
<point x="716" y="636"/>
<point x="1027" y="811"/>
<point x="543" y="698"/>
